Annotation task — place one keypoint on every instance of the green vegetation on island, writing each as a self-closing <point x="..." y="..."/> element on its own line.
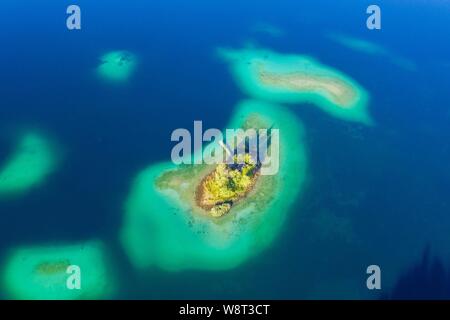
<point x="227" y="184"/>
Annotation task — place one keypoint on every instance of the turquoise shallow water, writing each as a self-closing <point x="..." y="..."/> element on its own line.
<point x="374" y="195"/>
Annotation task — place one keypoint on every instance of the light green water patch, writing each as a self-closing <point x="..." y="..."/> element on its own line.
<point x="33" y="159"/>
<point x="117" y="66"/>
<point x="295" y="79"/>
<point x="372" y="48"/>
<point x="42" y="272"/>
<point x="164" y="227"/>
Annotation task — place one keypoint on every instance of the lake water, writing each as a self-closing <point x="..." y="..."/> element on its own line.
<point x="375" y="195"/>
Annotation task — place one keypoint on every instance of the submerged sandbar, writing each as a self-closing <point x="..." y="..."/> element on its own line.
<point x="287" y="78"/>
<point x="30" y="163"/>
<point x="371" y="48"/>
<point x="117" y="66"/>
<point x="41" y="273"/>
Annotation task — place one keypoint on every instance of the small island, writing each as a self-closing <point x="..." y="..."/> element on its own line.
<point x="215" y="216"/>
<point x="226" y="185"/>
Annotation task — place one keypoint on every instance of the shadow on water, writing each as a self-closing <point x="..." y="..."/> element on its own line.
<point x="429" y="278"/>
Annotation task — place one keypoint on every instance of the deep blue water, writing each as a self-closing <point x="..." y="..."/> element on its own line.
<point x="376" y="195"/>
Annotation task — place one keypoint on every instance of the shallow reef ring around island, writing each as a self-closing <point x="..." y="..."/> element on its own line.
<point x="163" y="231"/>
<point x="244" y="65"/>
<point x="40" y="272"/>
<point x="117" y="66"/>
<point x="32" y="160"/>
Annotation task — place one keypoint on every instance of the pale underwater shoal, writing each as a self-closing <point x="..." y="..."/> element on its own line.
<point x="33" y="159"/>
<point x="295" y="79"/>
<point x="164" y="228"/>
<point x="49" y="272"/>
<point x="372" y="48"/>
<point x="117" y="66"/>
<point x="358" y="44"/>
